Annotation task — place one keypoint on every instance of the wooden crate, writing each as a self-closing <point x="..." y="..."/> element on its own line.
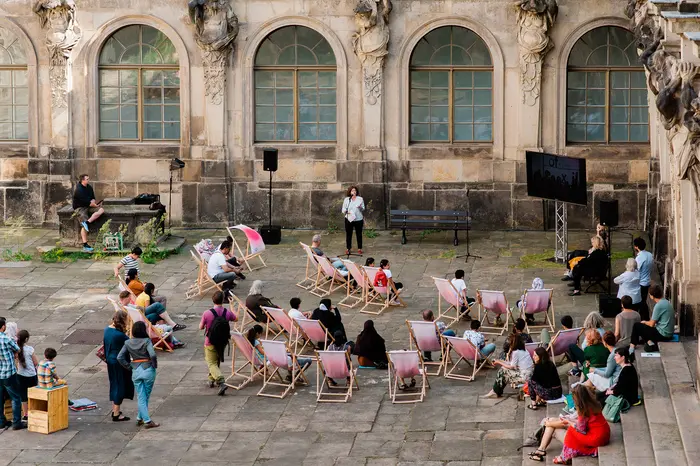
<point x="48" y="409"/>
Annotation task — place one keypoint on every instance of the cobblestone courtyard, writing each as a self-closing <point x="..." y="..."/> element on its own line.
<point x="453" y="426"/>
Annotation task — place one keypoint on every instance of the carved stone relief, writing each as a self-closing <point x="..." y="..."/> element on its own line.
<point x="58" y="18"/>
<point x="535" y="19"/>
<point x="216" y="27"/>
<point x="371" y="43"/>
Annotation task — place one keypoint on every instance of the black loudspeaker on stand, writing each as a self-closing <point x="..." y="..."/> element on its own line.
<point x="271" y="234"/>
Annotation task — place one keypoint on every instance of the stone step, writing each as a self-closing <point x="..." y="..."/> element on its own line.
<point x="613" y="454"/>
<point x="636" y="436"/>
<point x="683" y="397"/>
<point x="663" y="428"/>
<point x="531" y="424"/>
<point x="584" y="461"/>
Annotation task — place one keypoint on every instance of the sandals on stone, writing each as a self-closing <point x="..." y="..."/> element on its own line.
<point x="538" y="455"/>
<point x="120" y="418"/>
<point x="179" y="327"/>
<point x="560" y="460"/>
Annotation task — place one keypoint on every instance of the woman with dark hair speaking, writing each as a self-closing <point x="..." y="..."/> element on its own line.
<point x="353" y="206"/>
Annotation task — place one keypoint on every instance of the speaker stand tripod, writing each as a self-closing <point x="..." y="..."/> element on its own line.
<point x="469" y="227"/>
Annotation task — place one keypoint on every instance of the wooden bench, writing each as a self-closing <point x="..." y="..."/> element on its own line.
<point x="426" y="219"/>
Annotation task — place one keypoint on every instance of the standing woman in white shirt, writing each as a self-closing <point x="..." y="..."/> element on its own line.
<point x="629" y="284"/>
<point x="353" y="206"/>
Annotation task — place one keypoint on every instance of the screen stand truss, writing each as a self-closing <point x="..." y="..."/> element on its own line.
<point x="561" y="240"/>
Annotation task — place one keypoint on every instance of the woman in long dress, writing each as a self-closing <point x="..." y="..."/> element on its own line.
<point x="120" y="384"/>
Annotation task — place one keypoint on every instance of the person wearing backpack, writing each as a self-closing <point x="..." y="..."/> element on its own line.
<point x="217" y="333"/>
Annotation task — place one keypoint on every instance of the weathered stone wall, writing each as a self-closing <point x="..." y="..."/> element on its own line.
<point x="223" y="180"/>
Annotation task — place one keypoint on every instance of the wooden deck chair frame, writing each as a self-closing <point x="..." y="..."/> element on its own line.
<point x="245" y="316"/>
<point x="270" y="372"/>
<point x="413" y="342"/>
<point x="328" y="279"/>
<point x="153" y="331"/>
<point x="548" y="314"/>
<point x="484" y="314"/>
<point x="444" y="314"/>
<point x="311" y="272"/>
<point x="301" y="336"/>
<point x="248" y="371"/>
<point x="353" y="296"/>
<point x="247" y="256"/>
<point x="410" y="397"/>
<point x="327" y="393"/>
<point x="118" y="307"/>
<point x="373" y="296"/>
<point x="289" y="335"/>
<point x="477" y="363"/>
<point x="124" y="287"/>
<point x="204" y="283"/>
<point x="555" y="338"/>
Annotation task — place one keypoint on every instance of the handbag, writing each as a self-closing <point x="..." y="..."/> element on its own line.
<point x="100" y="353"/>
<point x="534" y="439"/>
<point x="614" y="406"/>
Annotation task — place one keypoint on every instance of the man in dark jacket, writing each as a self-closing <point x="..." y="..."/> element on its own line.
<point x="86" y="208"/>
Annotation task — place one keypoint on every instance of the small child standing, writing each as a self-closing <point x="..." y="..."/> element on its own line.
<point x="26" y="370"/>
<point x="46" y="371"/>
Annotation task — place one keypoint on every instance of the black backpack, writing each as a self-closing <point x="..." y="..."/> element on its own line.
<point x="219" y="332"/>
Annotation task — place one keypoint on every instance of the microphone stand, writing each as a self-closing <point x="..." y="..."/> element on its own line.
<point x="468" y="254"/>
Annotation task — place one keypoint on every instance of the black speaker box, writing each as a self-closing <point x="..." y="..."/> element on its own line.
<point x="270" y="160"/>
<point x="271" y="234"/>
<point x="609" y="305"/>
<point x="609" y="213"/>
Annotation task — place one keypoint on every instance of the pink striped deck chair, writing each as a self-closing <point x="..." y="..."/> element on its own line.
<point x="562" y="340"/>
<point x="466" y="351"/>
<point x="425" y="337"/>
<point x="531" y="347"/>
<point x="334" y="365"/>
<point x="204" y="283"/>
<point x="447" y="292"/>
<point x="314" y="333"/>
<point x="284" y="323"/>
<point x="124" y="287"/>
<point x="538" y="302"/>
<point x="328" y="279"/>
<point x="312" y="269"/>
<point x="277" y="358"/>
<point x="156" y="335"/>
<point x="376" y="297"/>
<point x="356" y="295"/>
<point x="252" y="367"/>
<point x="496" y="303"/>
<point x="406" y="365"/>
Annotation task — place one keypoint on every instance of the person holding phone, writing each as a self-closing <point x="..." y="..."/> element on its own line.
<point x="353" y="206"/>
<point x="86" y="208"/>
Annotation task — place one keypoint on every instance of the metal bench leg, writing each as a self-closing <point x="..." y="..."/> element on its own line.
<point x="403" y="236"/>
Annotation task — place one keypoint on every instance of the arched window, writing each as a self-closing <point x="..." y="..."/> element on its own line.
<point x="139" y="86"/>
<point x="451" y="87"/>
<point x="14" y="90"/>
<point x="295" y="87"/>
<point x="606" y="89"/>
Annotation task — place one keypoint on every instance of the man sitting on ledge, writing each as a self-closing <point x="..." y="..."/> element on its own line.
<point x="86" y="208"/>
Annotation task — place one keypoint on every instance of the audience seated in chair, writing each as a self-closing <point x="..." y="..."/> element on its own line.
<point x="220" y="271"/>
<point x="294" y="310"/>
<point x="329" y="316"/>
<point x="659" y="328"/>
<point x="593" y="321"/>
<point x="537" y="284"/>
<point x="132" y="281"/>
<point x="461" y="287"/>
<point x="256" y="301"/>
<point x="595" y="355"/>
<point x="336" y="261"/>
<point x="573" y="257"/>
<point x="384" y="279"/>
<point x="544" y="385"/>
<point x="255" y="333"/>
<point x="154" y="310"/>
<point x="370" y="348"/>
<point x="519" y="330"/>
<point x="594" y="265"/>
<point x="567" y="323"/>
<point x="478" y="340"/>
<point x="161" y="322"/>
<point x="429" y="316"/>
<point x="603" y="378"/>
<point x="516" y="370"/>
<point x="625" y="322"/>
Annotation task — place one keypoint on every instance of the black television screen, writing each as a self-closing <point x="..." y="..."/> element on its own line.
<point x="556" y="177"/>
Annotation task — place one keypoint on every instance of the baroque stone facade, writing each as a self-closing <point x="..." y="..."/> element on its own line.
<point x="394" y="139"/>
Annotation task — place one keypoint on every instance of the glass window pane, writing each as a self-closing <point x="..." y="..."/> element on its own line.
<point x="152" y="78"/>
<point x="326" y="132"/>
<point x="576" y="97"/>
<point x="439" y="114"/>
<point x="171" y="131"/>
<point x="595" y="97"/>
<point x="439" y="132"/>
<point x="21" y="114"/>
<point x="6" y="114"/>
<point x="21" y="131"/>
<point x="5" y="130"/>
<point x="576" y="115"/>
<point x="324" y="54"/>
<point x="482" y="97"/>
<point x="6" y="95"/>
<point x="171" y="78"/>
<point x="482" y="114"/>
<point x="308" y="97"/>
<point x="442" y="56"/>
<point x="420" y="114"/>
<point x="617" y="57"/>
<point x="420" y="79"/>
<point x="171" y="113"/>
<point x="108" y="113"/>
<point x="307" y="79"/>
<point x="327" y="114"/>
<point x="464" y="114"/>
<point x="620" y="97"/>
<point x="5" y="78"/>
<point x="463" y="133"/>
<point x="109" y="130"/>
<point x="171" y="95"/>
<point x="284" y="114"/>
<point x="266" y="55"/>
<point x="264" y="114"/>
<point x="151" y="95"/>
<point x="439" y="96"/>
<point x="619" y="133"/>
<point x="596" y="80"/>
<point x="284" y="97"/>
<point x="153" y="131"/>
<point x="308" y="114"/>
<point x="129" y="131"/>
<point x="639" y="115"/>
<point x="264" y="132"/>
<point x="284" y="132"/>
<point x="482" y="132"/>
<point x="131" y="56"/>
<point x="129" y="95"/>
<point x="152" y="113"/>
<point x="326" y="96"/>
<point x="21" y="96"/>
<point x="305" y="56"/>
<point x="107" y="78"/>
<point x="620" y="79"/>
<point x="326" y="79"/>
<point x="463" y="97"/>
<point x="128" y="78"/>
<point x="482" y="79"/>
<point x="595" y="115"/>
<point x="128" y="113"/>
<point x="576" y="80"/>
<point x="619" y="115"/>
<point x="287" y="56"/>
<point x="264" y="96"/>
<point x="421" y="54"/>
<point x="638" y="98"/>
<point x="463" y="79"/>
<point x="420" y="96"/>
<point x="576" y="133"/>
<point x="308" y="132"/>
<point x="264" y="79"/>
<point x="638" y="79"/>
<point x="595" y="133"/>
<point x="107" y="96"/>
<point x="639" y="133"/>
<point x="420" y="132"/>
<point x="439" y="79"/>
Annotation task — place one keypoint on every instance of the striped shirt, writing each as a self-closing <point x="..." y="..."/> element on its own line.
<point x="46" y="373"/>
<point x="129" y="263"/>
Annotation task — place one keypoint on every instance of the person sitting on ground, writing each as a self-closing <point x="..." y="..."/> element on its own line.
<point x="625" y="321"/>
<point x="220" y="270"/>
<point x="129" y="262"/>
<point x="544" y="385"/>
<point x="519" y="330"/>
<point x="537" y="284"/>
<point x="369" y="262"/>
<point x="602" y="379"/>
<point x="478" y="340"/>
<point x="133" y="283"/>
<point x="593" y="265"/>
<point x="254" y="334"/>
<point x="596" y="354"/>
<point x="86" y="208"/>
<point x="294" y="312"/>
<point x="26" y="370"/>
<point x="442" y="329"/>
<point x="627" y="383"/>
<point x="593" y="321"/>
<point x="659" y="328"/>
<point x="370" y="348"/>
<point x="567" y="323"/>
<point x="335" y="261"/>
<point x="256" y="301"/>
<point x="382" y="280"/>
<point x="329" y="316"/>
<point x="461" y="287"/>
<point x="516" y="370"/>
<point x="629" y="284"/>
<point x="233" y="260"/>
<point x="46" y="371"/>
<point x="153" y="310"/>
<point x="581" y="437"/>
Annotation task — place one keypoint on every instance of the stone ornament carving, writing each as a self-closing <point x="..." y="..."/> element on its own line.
<point x="371" y="43"/>
<point x="535" y="19"/>
<point x="216" y="28"/>
<point x="58" y="18"/>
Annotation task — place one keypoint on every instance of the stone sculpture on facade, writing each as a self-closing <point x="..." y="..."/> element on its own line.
<point x="371" y="43"/>
<point x="58" y="18"/>
<point x="216" y="27"/>
<point x="535" y="19"/>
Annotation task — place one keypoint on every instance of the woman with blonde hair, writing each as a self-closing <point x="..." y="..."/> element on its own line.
<point x="629" y="283"/>
<point x="594" y="264"/>
<point x="593" y="321"/>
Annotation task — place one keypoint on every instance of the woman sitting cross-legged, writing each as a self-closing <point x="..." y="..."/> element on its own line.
<point x="544" y="384"/>
<point x="370" y="348"/>
<point x="602" y="379"/>
<point x="627" y="383"/>
<point x="516" y="370"/>
<point x="581" y="437"/>
<point x="154" y="310"/>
